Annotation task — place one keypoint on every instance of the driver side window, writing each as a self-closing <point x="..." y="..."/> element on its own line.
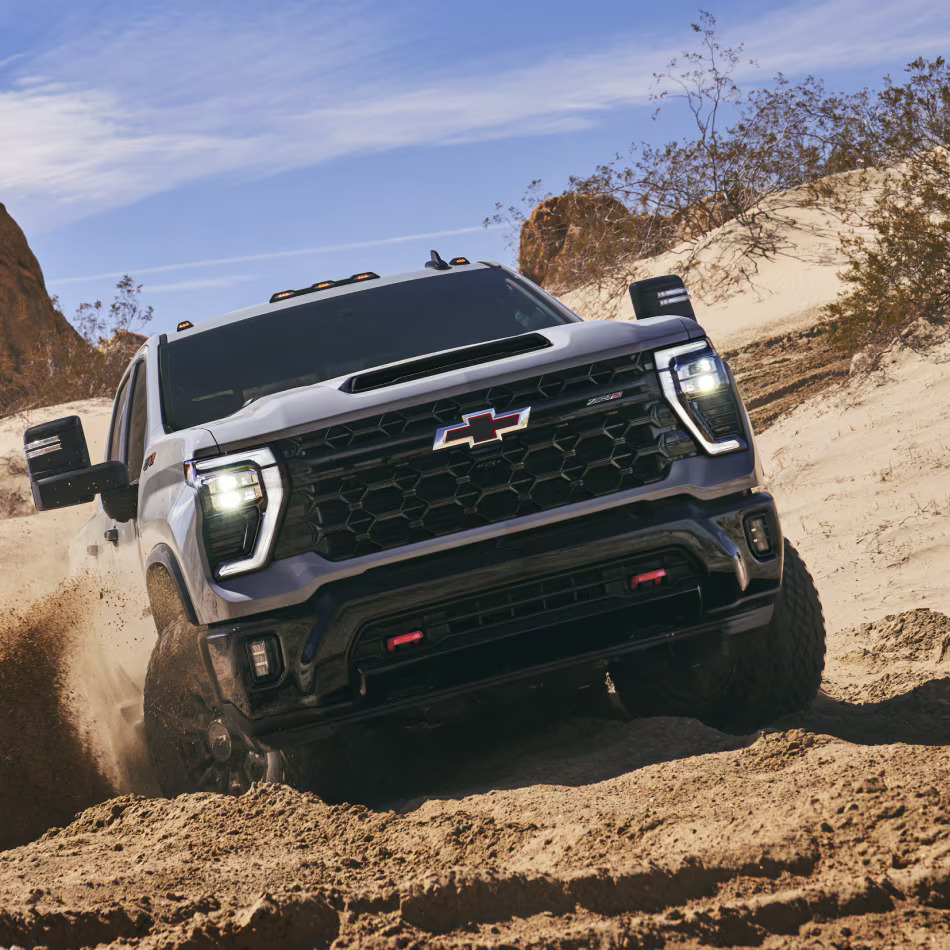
<point x="118" y="420"/>
<point x="138" y="419"/>
<point x="130" y="422"/>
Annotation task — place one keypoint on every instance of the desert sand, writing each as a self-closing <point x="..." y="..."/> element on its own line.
<point x="772" y="294"/>
<point x="831" y="828"/>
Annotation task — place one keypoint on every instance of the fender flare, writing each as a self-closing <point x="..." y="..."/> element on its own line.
<point x="162" y="561"/>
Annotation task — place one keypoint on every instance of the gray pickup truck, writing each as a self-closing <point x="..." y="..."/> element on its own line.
<point x="380" y="498"/>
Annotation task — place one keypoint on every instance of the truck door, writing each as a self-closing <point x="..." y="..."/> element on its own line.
<point x="127" y="444"/>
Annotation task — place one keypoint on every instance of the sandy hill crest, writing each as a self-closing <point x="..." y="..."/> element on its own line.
<point x="782" y="293"/>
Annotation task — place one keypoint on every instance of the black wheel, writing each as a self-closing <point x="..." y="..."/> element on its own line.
<point x="190" y="749"/>
<point x="738" y="683"/>
<point x="343" y="767"/>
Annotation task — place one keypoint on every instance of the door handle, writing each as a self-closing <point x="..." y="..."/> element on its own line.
<point x="112" y="535"/>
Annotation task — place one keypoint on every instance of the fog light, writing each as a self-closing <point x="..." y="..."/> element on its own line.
<point x="757" y="529"/>
<point x="264" y="657"/>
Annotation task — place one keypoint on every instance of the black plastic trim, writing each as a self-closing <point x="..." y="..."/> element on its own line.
<point x="445" y="362"/>
<point x="306" y="725"/>
<point x="162" y="554"/>
<point x="318" y="637"/>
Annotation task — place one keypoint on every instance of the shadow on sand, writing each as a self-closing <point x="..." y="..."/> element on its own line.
<point x="516" y="748"/>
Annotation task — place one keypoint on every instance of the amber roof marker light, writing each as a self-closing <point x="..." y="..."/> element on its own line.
<point x="324" y="285"/>
<point x="185" y="325"/>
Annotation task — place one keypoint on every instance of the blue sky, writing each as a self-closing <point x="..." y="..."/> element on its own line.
<point x="220" y="151"/>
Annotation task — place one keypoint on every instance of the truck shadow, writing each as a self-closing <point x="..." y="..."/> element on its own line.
<point x="501" y="752"/>
<point x="920" y="716"/>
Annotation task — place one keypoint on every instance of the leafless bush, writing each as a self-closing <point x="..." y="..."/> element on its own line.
<point x="899" y="274"/>
<point x="78" y="363"/>
<point x="751" y="159"/>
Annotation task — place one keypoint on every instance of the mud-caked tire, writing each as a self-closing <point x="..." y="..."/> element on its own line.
<point x="180" y="706"/>
<point x="741" y="682"/>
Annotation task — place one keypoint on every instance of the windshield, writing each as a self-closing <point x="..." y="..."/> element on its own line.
<point x="214" y="373"/>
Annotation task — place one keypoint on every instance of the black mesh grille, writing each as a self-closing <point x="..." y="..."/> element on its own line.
<point x="376" y="483"/>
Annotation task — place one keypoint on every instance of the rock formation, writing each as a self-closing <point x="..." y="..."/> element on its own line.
<point x="554" y="237"/>
<point x="27" y="318"/>
<point x="574" y="239"/>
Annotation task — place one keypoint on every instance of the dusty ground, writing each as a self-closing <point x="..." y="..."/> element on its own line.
<point x="831" y="829"/>
<point x="778" y="373"/>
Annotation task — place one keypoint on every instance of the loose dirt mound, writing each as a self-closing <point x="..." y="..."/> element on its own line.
<point x="830" y="830"/>
<point x="918" y="634"/>
<point x="893" y="656"/>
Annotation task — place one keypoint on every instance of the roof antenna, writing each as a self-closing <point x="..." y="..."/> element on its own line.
<point x="436" y="262"/>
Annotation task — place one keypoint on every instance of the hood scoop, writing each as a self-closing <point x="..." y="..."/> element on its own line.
<point x="445" y="362"/>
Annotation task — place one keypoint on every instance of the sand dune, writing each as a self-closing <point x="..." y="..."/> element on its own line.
<point x="775" y="294"/>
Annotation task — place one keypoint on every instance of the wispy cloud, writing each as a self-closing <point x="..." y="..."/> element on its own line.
<point x="173" y="98"/>
<point x="199" y="283"/>
<point x="269" y="256"/>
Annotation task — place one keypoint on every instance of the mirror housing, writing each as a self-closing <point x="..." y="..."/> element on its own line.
<point x="121" y="504"/>
<point x="661" y="296"/>
<point x="58" y="463"/>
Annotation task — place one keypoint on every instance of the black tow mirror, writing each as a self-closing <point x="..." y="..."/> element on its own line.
<point x="121" y="504"/>
<point x="661" y="296"/>
<point x="58" y="463"/>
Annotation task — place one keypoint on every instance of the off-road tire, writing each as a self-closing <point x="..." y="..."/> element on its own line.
<point x="741" y="682"/>
<point x="180" y="704"/>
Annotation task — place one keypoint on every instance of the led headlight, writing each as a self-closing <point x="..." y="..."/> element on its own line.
<point x="697" y="386"/>
<point x="241" y="496"/>
<point x="698" y="376"/>
<point x="233" y="489"/>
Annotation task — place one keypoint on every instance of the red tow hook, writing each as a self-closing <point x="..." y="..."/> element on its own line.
<point x="402" y="640"/>
<point x="657" y="577"/>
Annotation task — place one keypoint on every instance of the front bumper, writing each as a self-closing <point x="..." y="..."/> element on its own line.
<point x="516" y="607"/>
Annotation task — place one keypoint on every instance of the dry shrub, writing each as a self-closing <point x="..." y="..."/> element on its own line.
<point x="750" y="159"/>
<point x="899" y="275"/>
<point x="82" y="364"/>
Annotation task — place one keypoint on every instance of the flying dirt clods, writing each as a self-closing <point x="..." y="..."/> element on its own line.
<point x="46" y="770"/>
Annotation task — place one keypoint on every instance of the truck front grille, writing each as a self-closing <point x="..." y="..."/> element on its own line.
<point x="376" y="483"/>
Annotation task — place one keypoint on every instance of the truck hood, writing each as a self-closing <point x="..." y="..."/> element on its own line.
<point x="300" y="410"/>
